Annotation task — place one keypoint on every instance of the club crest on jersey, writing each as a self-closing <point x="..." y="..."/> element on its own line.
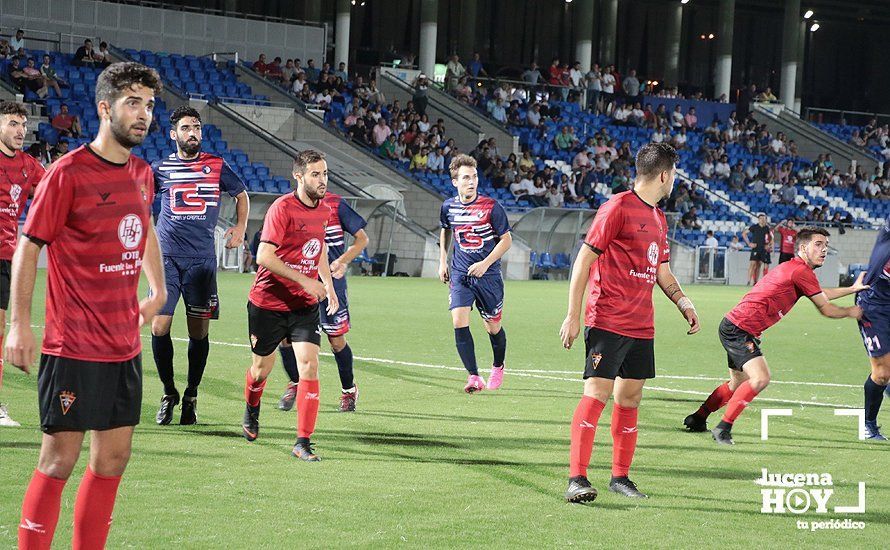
<point x="129" y="231"/>
<point x="595" y="359"/>
<point x="66" y="399"/>
<point x="311" y="249"/>
<point x="206" y="169"/>
<point x="652" y="253"/>
<point x="16" y="191"/>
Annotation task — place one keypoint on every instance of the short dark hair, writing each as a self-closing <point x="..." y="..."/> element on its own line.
<point x="13" y="108"/>
<point x="180" y="113"/>
<point x="806" y="234"/>
<point x="654" y="158"/>
<point x="118" y="77"/>
<point x="305" y="158"/>
<point x="103" y="44"/>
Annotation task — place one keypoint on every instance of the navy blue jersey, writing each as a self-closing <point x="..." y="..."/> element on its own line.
<point x="477" y="227"/>
<point x="878" y="275"/>
<point x="189" y="192"/>
<point x="343" y="220"/>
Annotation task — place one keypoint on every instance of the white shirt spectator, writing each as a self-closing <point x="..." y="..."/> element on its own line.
<point x="576" y="76"/>
<point x="15" y="44"/>
<point x="736" y="245"/>
<point x="777" y="146"/>
<point x="608" y="83"/>
<point x="435" y="161"/>
<point x="752" y="171"/>
<point x="677" y="120"/>
<point x="580" y="161"/>
<point x="680" y="139"/>
<point x="557" y="199"/>
<point x="657" y="136"/>
<point x="722" y="170"/>
<point x="711" y="242"/>
<point x="297" y="86"/>
<point x="706" y="170"/>
<point x="621" y="115"/>
<point x="874" y="189"/>
<point x="533" y="118"/>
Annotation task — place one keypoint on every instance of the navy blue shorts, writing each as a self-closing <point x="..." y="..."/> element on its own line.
<point x="486" y="292"/>
<point x="195" y="280"/>
<point x="338" y="323"/>
<point x="875" y="330"/>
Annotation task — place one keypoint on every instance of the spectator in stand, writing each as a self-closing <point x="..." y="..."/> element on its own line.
<point x="84" y="56"/>
<point x="436" y="161"/>
<point x="299" y="84"/>
<point x="631" y="85"/>
<point x="17" y="42"/>
<point x="767" y="95"/>
<point x="691" y="120"/>
<point x="288" y="72"/>
<point x="777" y="144"/>
<point x="103" y="56"/>
<point x="583" y="160"/>
<point x="537" y="196"/>
<point x="312" y="72"/>
<point x="33" y="73"/>
<point x="608" y="84"/>
<point x="594" y="81"/>
<point x="734" y="244"/>
<point x="532" y="75"/>
<point x="454" y="71"/>
<point x="274" y="72"/>
<point x="533" y="115"/>
<point x="60" y="149"/>
<point x="5" y="49"/>
<point x="359" y="132"/>
<point x="260" y="66"/>
<point x="621" y="115"/>
<point x="40" y="151"/>
<point x="65" y="123"/>
<point x="677" y="119"/>
<point x="556" y="199"/>
<point x="341" y="72"/>
<point x="380" y="132"/>
<point x="19" y="79"/>
<point x="787" y="193"/>
<point x="565" y="139"/>
<point x="690" y="219"/>
<point x="722" y="169"/>
<point x="498" y="112"/>
<point x="50" y="77"/>
<point x="737" y="178"/>
<point x="421" y="92"/>
<point x="576" y="76"/>
<point x="707" y="168"/>
<point x="420" y="159"/>
<point x="475" y="68"/>
<point x="679" y="139"/>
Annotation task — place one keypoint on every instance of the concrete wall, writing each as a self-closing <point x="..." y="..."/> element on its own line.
<point x="143" y="28"/>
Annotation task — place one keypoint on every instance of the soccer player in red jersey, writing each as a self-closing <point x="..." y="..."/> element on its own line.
<point x="283" y="302"/>
<point x="787" y="235"/>
<point x="19" y="174"/>
<point x="762" y="307"/>
<point x="626" y="253"/>
<point x="92" y="212"/>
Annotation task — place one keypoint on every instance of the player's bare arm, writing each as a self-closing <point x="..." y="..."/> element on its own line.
<point x="20" y="346"/>
<point x="478" y="269"/>
<point x="153" y="267"/>
<point x="840" y="292"/>
<point x="235" y="235"/>
<point x="324" y="271"/>
<point x="444" y="242"/>
<point x="832" y="311"/>
<point x="338" y="266"/>
<point x="267" y="258"/>
<point x="745" y="238"/>
<point x="571" y="326"/>
<point x="671" y="288"/>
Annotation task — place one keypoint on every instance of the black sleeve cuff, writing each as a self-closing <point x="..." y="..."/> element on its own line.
<point x="35" y="240"/>
<point x="595" y="249"/>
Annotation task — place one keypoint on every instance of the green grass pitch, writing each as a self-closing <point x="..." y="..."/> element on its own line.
<point x="423" y="464"/>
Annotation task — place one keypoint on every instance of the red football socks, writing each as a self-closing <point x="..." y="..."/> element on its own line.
<point x="307" y="407"/>
<point x="40" y="511"/>
<point x="743" y="395"/>
<point x="253" y="390"/>
<point x="584" y="421"/>
<point x="92" y="510"/>
<point x="715" y="401"/>
<point x="624" y="439"/>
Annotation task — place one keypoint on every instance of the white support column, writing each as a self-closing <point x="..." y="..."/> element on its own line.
<point x="429" y="11"/>
<point x="790" y="30"/>
<point x="674" y="23"/>
<point x="341" y="53"/>
<point x="583" y="16"/>
<point x="610" y="30"/>
<point x="801" y="61"/>
<point x="723" y="70"/>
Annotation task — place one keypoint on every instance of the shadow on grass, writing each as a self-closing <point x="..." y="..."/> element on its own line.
<point x="460" y="418"/>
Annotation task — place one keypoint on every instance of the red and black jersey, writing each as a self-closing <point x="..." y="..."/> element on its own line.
<point x="93" y="215"/>
<point x="630" y="237"/>
<point x="19" y="175"/>
<point x="298" y="230"/>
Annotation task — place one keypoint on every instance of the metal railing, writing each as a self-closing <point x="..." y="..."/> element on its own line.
<point x="710" y="264"/>
<point x="57" y="39"/>
<point x="456" y="115"/>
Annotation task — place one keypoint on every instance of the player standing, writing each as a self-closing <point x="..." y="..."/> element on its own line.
<point x="190" y="183"/>
<point x="284" y="300"/>
<point x="787" y="234"/>
<point x="762" y="307"/>
<point x="343" y="220"/>
<point x="19" y="174"/>
<point x="760" y="256"/>
<point x="481" y="237"/>
<point x="628" y="242"/>
<point x="92" y="212"/>
<point x="875" y="328"/>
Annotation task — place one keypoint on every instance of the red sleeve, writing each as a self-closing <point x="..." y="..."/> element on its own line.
<point x="805" y="281"/>
<point x="665" y="245"/>
<point x="275" y="226"/>
<point x="52" y="203"/>
<point x="605" y="227"/>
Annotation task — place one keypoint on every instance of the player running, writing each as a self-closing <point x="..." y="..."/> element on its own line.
<point x="284" y="300"/>
<point x="481" y="237"/>
<point x="760" y="243"/>
<point x="787" y="230"/>
<point x="762" y="307"/>
<point x="626" y="254"/>
<point x="19" y="174"/>
<point x="92" y="211"/>
<point x="190" y="183"/>
<point x="875" y="328"/>
<point x="343" y="220"/>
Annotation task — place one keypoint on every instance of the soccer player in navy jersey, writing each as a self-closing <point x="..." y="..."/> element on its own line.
<point x="92" y="212"/>
<point x="190" y="184"/>
<point x="875" y="329"/>
<point x="481" y="237"/>
<point x="625" y="254"/>
<point x="19" y="174"/>
<point x="762" y="307"/>
<point x="343" y="219"/>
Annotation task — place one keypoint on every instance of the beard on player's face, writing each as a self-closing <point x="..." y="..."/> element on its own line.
<point x="190" y="146"/>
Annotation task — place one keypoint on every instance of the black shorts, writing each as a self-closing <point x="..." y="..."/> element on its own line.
<point x="610" y="355"/>
<point x="740" y="346"/>
<point x="785" y="256"/>
<point x="80" y="396"/>
<point x="267" y="328"/>
<point x="760" y="255"/>
<point x="5" y="279"/>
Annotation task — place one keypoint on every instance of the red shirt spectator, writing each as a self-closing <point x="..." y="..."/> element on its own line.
<point x="65" y="122"/>
<point x="260" y="65"/>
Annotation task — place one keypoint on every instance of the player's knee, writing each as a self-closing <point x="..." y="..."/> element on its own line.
<point x="337" y="343"/>
<point x="57" y="466"/>
<point x="880" y="374"/>
<point x="111" y="463"/>
<point x="629" y="401"/>
<point x="760" y="382"/>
